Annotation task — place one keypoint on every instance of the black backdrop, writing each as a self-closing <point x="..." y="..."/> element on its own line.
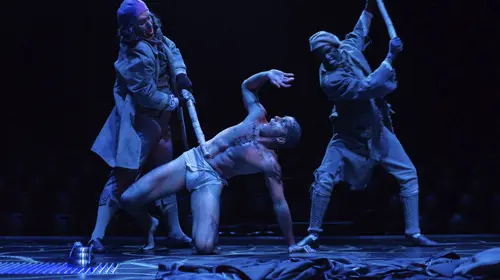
<point x="57" y="93"/>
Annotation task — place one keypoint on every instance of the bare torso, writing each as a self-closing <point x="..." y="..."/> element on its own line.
<point x="237" y="151"/>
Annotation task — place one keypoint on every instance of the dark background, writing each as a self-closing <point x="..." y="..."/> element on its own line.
<point x="57" y="94"/>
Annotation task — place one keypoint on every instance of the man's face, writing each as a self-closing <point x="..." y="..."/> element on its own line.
<point x="278" y="125"/>
<point x="330" y="56"/>
<point x="279" y="129"/>
<point x="145" y="25"/>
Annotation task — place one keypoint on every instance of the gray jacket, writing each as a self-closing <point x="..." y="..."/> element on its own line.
<point x="141" y="83"/>
<point x="357" y="91"/>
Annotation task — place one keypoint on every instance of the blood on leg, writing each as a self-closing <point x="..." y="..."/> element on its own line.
<point x="205" y="205"/>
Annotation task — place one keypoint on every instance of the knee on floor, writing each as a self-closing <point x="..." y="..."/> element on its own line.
<point x="204" y="247"/>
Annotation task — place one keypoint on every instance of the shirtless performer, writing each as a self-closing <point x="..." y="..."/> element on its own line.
<point x="245" y="148"/>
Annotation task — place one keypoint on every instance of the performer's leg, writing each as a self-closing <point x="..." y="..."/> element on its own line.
<point x="400" y="166"/>
<point x="118" y="180"/>
<point x="149" y="132"/>
<point x="205" y="205"/>
<point x="160" y="182"/>
<point x="168" y="205"/>
<point x="169" y="210"/>
<point x="321" y="190"/>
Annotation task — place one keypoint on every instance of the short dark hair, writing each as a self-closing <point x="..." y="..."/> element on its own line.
<point x="293" y="133"/>
<point x="127" y="34"/>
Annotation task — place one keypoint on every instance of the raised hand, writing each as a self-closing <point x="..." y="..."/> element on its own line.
<point x="279" y="78"/>
<point x="395" y="46"/>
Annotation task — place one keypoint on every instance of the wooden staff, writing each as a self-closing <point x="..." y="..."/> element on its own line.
<point x="387" y="19"/>
<point x="196" y="123"/>
<point x="180" y="115"/>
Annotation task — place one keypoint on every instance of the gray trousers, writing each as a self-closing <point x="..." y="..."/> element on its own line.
<point x="341" y="163"/>
<point x="156" y="149"/>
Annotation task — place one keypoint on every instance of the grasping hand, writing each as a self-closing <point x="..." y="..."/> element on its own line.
<point x="395" y="46"/>
<point x="173" y="102"/>
<point x="279" y="78"/>
<point x="186" y="95"/>
<point x="300" y="249"/>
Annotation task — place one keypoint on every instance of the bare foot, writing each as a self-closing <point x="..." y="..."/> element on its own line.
<point x="180" y="241"/>
<point x="151" y="235"/>
<point x="179" y="237"/>
<point x="217" y="251"/>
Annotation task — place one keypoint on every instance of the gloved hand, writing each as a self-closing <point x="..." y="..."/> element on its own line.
<point x="173" y="103"/>
<point x="395" y="47"/>
<point x="183" y="82"/>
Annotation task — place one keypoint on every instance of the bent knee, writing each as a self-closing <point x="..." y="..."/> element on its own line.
<point x="324" y="183"/>
<point x="127" y="199"/>
<point x="204" y="247"/>
<point x="410" y="189"/>
<point x="409" y="183"/>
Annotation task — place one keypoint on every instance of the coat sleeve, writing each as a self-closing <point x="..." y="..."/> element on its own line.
<point x="176" y="59"/>
<point x="140" y="79"/>
<point x="358" y="36"/>
<point x="341" y="85"/>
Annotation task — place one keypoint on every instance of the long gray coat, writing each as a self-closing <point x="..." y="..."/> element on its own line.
<point x="359" y="114"/>
<point x="139" y="84"/>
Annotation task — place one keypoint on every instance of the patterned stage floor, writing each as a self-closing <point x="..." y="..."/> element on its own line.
<point x="46" y="257"/>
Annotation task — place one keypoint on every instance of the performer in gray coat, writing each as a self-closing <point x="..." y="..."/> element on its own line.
<point x="363" y="135"/>
<point x="149" y="69"/>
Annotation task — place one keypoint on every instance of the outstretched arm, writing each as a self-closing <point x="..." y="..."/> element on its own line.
<point x="251" y="85"/>
<point x="266" y="161"/>
<point x="281" y="209"/>
<point x="275" y="186"/>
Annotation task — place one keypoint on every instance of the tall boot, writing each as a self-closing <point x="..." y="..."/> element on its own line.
<point x="412" y="225"/>
<point x="319" y="204"/>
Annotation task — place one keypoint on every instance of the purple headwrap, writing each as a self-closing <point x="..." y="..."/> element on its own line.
<point x="130" y="10"/>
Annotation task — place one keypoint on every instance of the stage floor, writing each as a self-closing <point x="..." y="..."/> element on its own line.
<point x="46" y="257"/>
